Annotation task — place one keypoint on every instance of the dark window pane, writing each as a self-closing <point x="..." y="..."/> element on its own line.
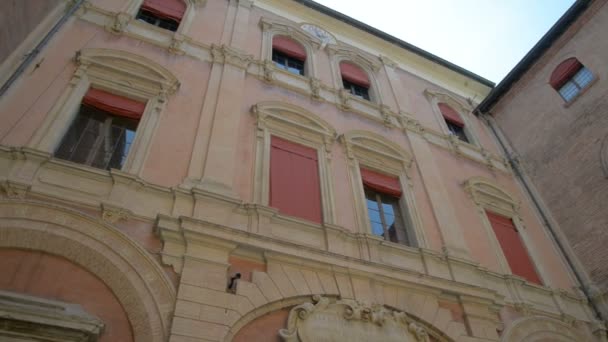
<point x="457" y="130"/>
<point x="293" y="65"/>
<point x="152" y="19"/>
<point x="98" y="139"/>
<point x="356" y="90"/>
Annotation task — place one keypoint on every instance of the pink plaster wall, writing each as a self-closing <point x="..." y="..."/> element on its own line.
<point x="171" y="148"/>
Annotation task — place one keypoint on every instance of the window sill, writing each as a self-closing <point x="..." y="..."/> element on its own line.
<point x="583" y="91"/>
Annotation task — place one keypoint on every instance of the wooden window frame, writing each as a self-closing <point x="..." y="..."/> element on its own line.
<point x="373" y="152"/>
<point x="96" y="68"/>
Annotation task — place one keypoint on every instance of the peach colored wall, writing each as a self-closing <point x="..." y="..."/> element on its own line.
<point x="171" y="148"/>
<point x="47" y="276"/>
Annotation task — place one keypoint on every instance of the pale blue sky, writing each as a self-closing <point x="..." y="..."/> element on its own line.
<point x="487" y="37"/>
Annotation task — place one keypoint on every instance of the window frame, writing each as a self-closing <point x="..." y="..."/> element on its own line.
<point x="95" y="68"/>
<point x="352" y="88"/>
<point x="579" y="89"/>
<point x="108" y="122"/>
<point x="271" y="28"/>
<point x="380" y="202"/>
<point x="288" y="59"/>
<point x="488" y="196"/>
<point x="373" y="152"/>
<point x="133" y="6"/>
<point x="435" y="98"/>
<point x="297" y="125"/>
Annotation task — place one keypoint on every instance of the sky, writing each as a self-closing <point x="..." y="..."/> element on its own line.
<point x="487" y="37"/>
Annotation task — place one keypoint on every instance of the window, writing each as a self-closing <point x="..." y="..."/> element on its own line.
<point x="288" y="54"/>
<point x="453" y="121"/>
<point x="355" y="80"/>
<point x="570" y="78"/>
<point x="102" y="132"/>
<point x="294" y="180"/>
<point x="356" y="90"/>
<point x="166" y="14"/>
<point x="382" y="195"/>
<point x="513" y="248"/>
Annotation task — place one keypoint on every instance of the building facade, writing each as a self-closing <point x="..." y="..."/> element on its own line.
<point x="213" y="170"/>
<point x="551" y="113"/>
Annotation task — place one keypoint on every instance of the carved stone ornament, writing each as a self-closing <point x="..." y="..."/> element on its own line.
<point x="324" y="36"/>
<point x="327" y="320"/>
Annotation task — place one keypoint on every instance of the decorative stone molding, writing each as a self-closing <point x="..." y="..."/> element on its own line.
<point x="112" y="214"/>
<point x="318" y="32"/>
<point x="491" y="196"/>
<point x="300" y="126"/>
<point x="119" y="72"/>
<point x="539" y="328"/>
<point x="227" y="55"/>
<point x="350" y="320"/>
<point x="31" y="318"/>
<point x="120" y="23"/>
<point x="13" y="190"/>
<point x="134" y="276"/>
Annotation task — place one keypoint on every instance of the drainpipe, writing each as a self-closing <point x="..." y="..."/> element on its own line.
<point x="520" y="174"/>
<point x="34" y="53"/>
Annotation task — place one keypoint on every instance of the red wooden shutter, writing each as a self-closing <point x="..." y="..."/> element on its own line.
<point x="294" y="180"/>
<point x="354" y="74"/>
<point x="513" y="248"/>
<point x="564" y="72"/>
<point x="449" y="114"/>
<point x="166" y="9"/>
<point x="114" y="104"/>
<point x="289" y="47"/>
<point x="382" y="183"/>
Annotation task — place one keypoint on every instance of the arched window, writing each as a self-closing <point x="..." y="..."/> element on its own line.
<point x="453" y="121"/>
<point x="288" y="54"/>
<point x="166" y="14"/>
<point x="355" y="80"/>
<point x="569" y="78"/>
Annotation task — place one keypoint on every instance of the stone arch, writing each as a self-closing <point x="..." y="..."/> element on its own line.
<point x="538" y="328"/>
<point x="136" y="279"/>
<point x="292" y="115"/>
<point x="350" y="310"/>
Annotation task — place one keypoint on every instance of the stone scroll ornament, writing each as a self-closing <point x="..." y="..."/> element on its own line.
<point x="327" y="320"/>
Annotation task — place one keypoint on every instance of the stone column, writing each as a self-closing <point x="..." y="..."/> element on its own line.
<point x="212" y="166"/>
